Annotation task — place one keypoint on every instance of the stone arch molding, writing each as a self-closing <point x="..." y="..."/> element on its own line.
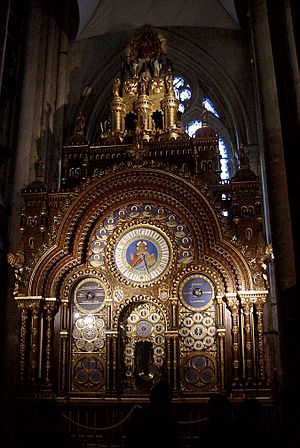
<point x="98" y="199"/>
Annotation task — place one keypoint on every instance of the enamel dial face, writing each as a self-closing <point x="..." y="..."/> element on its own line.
<point x="196" y="292"/>
<point x="142" y="254"/>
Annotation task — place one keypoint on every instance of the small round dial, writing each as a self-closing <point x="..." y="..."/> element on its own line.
<point x="89" y="296"/>
<point x="142" y="254"/>
<point x="196" y="292"/>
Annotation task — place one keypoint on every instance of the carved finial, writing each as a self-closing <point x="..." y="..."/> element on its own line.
<point x="169" y="82"/>
<point x="17" y="262"/>
<point x="116" y="87"/>
<point x="204" y="116"/>
<point x="80" y="124"/>
<point x="39" y="169"/>
<point x="243" y="156"/>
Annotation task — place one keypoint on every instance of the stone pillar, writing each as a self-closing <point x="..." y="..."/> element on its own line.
<point x="274" y="174"/>
<point x="271" y="146"/>
<point x="43" y="91"/>
<point x="4" y="15"/>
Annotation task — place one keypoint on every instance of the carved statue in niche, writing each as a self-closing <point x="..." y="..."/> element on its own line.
<point x="143" y="55"/>
<point x="80" y="124"/>
<point x="17" y="262"/>
<point x="169" y="82"/>
<point x="143" y="84"/>
<point x="116" y="87"/>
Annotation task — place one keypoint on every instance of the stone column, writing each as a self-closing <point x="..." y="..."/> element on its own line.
<point x="43" y="91"/>
<point x="274" y="173"/>
<point x="271" y="146"/>
<point x="4" y="15"/>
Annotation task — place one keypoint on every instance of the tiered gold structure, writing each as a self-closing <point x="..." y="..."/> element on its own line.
<point x="144" y="265"/>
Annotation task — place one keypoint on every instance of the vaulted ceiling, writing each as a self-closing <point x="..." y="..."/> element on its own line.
<point x="98" y="17"/>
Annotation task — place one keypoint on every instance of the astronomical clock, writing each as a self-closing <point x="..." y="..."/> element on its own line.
<point x="132" y="272"/>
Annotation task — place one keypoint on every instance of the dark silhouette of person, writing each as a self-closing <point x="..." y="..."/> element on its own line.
<point x="219" y="427"/>
<point x="288" y="431"/>
<point x="154" y="425"/>
<point x="251" y="426"/>
<point x="46" y="430"/>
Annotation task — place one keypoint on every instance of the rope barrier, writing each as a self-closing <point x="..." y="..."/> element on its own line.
<point x="123" y="420"/>
<point x="107" y="427"/>
<point x="205" y="419"/>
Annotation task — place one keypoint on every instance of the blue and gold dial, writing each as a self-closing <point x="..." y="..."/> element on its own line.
<point x="142" y="254"/>
<point x="196" y="292"/>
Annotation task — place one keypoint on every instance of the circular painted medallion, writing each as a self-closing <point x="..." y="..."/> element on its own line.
<point x="196" y="292"/>
<point x="142" y="254"/>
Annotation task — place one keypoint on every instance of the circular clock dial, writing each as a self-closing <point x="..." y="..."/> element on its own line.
<point x="196" y="292"/>
<point x="142" y="254"/>
<point x="89" y="296"/>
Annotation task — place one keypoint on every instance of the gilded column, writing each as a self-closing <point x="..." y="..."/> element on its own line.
<point x="175" y="360"/>
<point x="64" y="333"/>
<point x="170" y="107"/>
<point x="259" y="302"/>
<point x="23" y="307"/>
<point x="49" y="307"/>
<point x="233" y="305"/>
<point x="118" y="111"/>
<point x="34" y="306"/>
<point x="246" y="303"/>
<point x="108" y="361"/>
<point x="221" y="333"/>
<point x="168" y="356"/>
<point x="221" y="338"/>
<point x="174" y="311"/>
<point x="144" y="106"/>
<point x="114" y="361"/>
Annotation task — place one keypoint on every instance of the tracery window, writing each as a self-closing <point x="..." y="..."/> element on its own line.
<point x="185" y="96"/>
<point x="183" y="92"/>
